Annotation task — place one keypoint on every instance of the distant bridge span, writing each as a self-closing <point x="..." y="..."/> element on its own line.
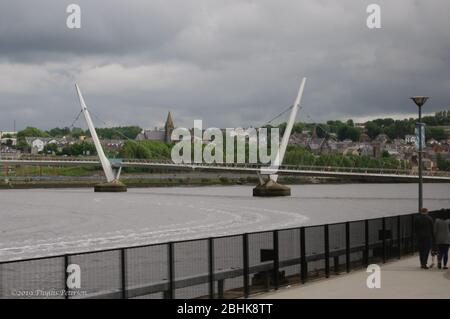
<point x="318" y="171"/>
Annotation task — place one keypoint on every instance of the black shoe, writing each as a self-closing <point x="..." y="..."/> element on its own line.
<point x="439" y="265"/>
<point x="424" y="267"/>
<point x="445" y="267"/>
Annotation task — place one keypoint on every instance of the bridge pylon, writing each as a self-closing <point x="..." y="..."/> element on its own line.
<point x="270" y="187"/>
<point x="112" y="183"/>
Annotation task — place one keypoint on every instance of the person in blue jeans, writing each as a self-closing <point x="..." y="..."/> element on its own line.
<point x="424" y="228"/>
<point x="442" y="240"/>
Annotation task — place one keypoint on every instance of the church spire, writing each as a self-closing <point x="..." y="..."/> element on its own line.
<point x="169" y="128"/>
<point x="169" y="122"/>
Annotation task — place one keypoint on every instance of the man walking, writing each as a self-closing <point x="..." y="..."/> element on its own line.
<point x="424" y="233"/>
<point x="442" y="240"/>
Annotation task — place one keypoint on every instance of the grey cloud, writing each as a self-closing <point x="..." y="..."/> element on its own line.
<point x="230" y="63"/>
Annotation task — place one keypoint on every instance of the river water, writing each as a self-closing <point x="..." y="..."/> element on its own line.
<point x="42" y="222"/>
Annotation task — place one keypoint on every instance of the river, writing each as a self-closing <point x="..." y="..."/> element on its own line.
<point x="40" y="222"/>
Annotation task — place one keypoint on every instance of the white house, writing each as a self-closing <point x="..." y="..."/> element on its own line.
<point x="36" y="144"/>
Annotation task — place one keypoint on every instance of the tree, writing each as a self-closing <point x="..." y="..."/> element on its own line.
<point x="120" y="132"/>
<point x="373" y="130"/>
<point x="51" y="148"/>
<point x="59" y="132"/>
<point x="76" y="132"/>
<point x="31" y="132"/>
<point x="348" y="132"/>
<point x="77" y="149"/>
<point x="442" y="164"/>
<point x="145" y="150"/>
<point x="435" y="133"/>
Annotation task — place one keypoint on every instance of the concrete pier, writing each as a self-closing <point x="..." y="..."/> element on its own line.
<point x="271" y="189"/>
<point x="110" y="187"/>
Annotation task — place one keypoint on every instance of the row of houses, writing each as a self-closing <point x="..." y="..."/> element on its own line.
<point x="37" y="144"/>
<point x="400" y="149"/>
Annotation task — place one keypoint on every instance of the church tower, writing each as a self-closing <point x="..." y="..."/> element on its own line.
<point x="168" y="128"/>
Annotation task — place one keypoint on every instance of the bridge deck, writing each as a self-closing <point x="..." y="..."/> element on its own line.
<point x="319" y="171"/>
<point x="399" y="279"/>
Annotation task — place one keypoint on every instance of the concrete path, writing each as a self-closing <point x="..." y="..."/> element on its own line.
<point x="399" y="279"/>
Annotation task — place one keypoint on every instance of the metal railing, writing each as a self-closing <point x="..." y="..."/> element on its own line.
<point x="51" y="160"/>
<point x="218" y="267"/>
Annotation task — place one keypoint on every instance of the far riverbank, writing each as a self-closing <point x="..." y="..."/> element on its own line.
<point x="166" y="180"/>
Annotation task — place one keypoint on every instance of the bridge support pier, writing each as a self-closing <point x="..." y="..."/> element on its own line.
<point x="271" y="189"/>
<point x="110" y="187"/>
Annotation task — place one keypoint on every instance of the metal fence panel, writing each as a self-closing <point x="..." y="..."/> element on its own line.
<point x="315" y="250"/>
<point x="100" y="273"/>
<point x="191" y="269"/>
<point x="228" y="267"/>
<point x="289" y="256"/>
<point x="261" y="259"/>
<point x="337" y="243"/>
<point x="40" y="278"/>
<point x="147" y="274"/>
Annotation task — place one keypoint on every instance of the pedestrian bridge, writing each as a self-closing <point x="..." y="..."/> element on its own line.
<point x="302" y="170"/>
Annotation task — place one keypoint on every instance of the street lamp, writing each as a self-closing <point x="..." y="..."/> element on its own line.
<point x="420" y="100"/>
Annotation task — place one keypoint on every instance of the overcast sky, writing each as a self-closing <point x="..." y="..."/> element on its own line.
<point x="230" y="63"/>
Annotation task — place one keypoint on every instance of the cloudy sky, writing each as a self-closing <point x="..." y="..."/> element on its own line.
<point x="230" y="63"/>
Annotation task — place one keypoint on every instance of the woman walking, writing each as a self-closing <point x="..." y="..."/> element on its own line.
<point x="442" y="240"/>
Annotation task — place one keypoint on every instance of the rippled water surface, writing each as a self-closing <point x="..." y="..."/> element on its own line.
<point x="46" y="221"/>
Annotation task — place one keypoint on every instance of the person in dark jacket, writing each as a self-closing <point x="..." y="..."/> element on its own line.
<point x="424" y="228"/>
<point x="442" y="240"/>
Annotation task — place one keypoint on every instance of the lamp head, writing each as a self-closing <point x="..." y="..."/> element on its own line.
<point x="419" y="100"/>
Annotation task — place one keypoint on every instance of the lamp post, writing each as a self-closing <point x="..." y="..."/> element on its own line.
<point x="420" y="101"/>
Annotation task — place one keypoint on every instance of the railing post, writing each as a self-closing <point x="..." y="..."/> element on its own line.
<point x="413" y="244"/>
<point x="336" y="264"/>
<point x="211" y="267"/>
<point x="366" y="243"/>
<point x="347" y="246"/>
<point x="220" y="288"/>
<point x="383" y="230"/>
<point x="399" y="237"/>
<point x="276" y="259"/>
<point x="303" y="262"/>
<point x="327" y="250"/>
<point x="246" y="265"/>
<point x="66" y="276"/>
<point x="123" y="269"/>
<point x="171" y="270"/>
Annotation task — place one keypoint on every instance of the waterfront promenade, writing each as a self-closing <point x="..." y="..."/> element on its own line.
<point x="399" y="279"/>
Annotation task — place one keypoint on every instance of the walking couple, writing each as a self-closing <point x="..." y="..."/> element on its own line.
<point x="432" y="236"/>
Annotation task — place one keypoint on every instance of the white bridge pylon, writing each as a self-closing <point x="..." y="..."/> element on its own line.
<point x="106" y="164"/>
<point x="273" y="169"/>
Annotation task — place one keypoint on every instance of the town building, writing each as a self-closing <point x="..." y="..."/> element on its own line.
<point x="158" y="134"/>
<point x="37" y="144"/>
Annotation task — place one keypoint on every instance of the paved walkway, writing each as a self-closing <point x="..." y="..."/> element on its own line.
<point x="399" y="279"/>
